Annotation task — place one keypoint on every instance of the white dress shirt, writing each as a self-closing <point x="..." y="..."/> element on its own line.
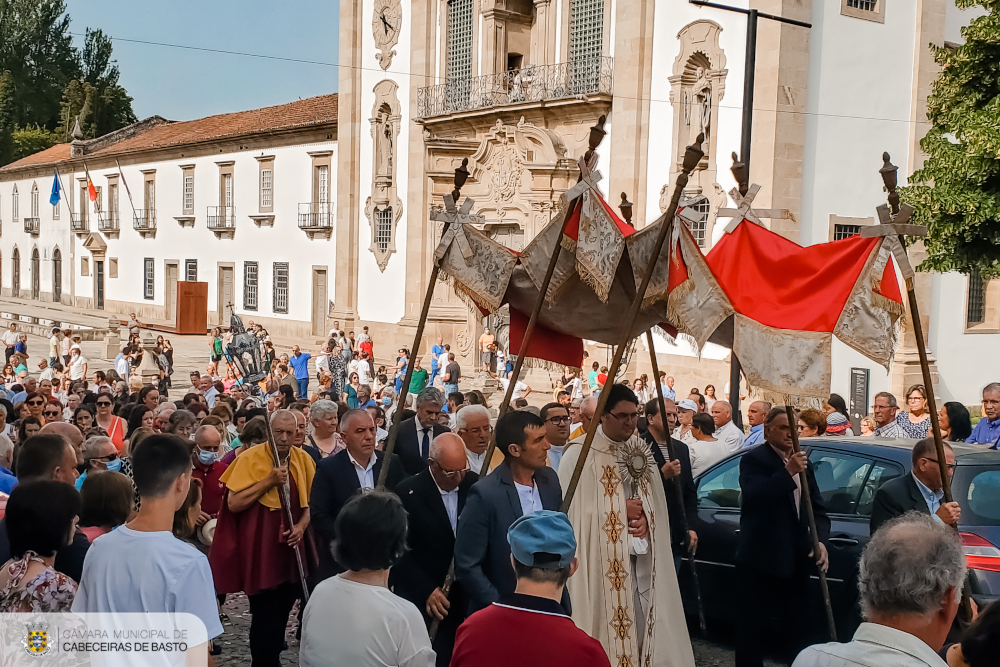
<point x="873" y="645"/>
<point x="365" y="474"/>
<point x="475" y="460"/>
<point x="731" y="434"/>
<point x="420" y="437"/>
<point x="450" y="500"/>
<point x="528" y="495"/>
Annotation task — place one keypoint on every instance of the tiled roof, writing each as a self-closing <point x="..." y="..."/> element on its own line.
<point x="56" y="153"/>
<point x="320" y="110"/>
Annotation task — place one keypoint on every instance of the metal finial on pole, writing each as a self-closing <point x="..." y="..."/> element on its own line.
<point x="626" y="208"/>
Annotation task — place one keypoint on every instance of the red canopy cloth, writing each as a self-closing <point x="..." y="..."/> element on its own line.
<point x="789" y="301"/>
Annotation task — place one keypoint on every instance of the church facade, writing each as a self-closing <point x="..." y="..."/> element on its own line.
<point x="345" y="232"/>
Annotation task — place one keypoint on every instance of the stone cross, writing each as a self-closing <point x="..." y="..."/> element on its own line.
<point x="454" y="218"/>
<point x="744" y="209"/>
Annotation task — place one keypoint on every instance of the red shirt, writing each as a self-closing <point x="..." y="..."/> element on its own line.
<point x="546" y="637"/>
<point x="213" y="492"/>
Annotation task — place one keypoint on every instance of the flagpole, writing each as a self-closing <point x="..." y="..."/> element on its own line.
<point x="62" y="189"/>
<point x="125" y="183"/>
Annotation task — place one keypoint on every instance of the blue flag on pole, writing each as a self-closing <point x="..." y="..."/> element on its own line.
<point x="55" y="196"/>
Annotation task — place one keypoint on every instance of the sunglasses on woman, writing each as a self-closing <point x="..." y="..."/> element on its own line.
<point x="104" y="404"/>
<point x="36" y="402"/>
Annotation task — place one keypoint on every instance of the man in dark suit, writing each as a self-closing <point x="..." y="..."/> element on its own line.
<point x="774" y="554"/>
<point x="678" y="470"/>
<point x="413" y="441"/>
<point x="434" y="500"/>
<point x="340" y="477"/>
<point x="919" y="491"/>
<point x="520" y="485"/>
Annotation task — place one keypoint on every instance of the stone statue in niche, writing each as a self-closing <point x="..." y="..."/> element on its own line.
<point x="698" y="107"/>
<point x="383" y="138"/>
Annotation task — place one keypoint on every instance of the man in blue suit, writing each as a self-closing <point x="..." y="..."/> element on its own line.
<point x="520" y="485"/>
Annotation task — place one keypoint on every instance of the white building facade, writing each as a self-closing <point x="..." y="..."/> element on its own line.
<point x="242" y="201"/>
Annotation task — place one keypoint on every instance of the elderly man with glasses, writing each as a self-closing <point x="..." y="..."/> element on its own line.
<point x="472" y="423"/>
<point x="434" y="499"/>
<point x="920" y="491"/>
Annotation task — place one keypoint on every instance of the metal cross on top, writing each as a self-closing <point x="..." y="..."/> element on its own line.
<point x="743" y="197"/>
<point x="894" y="222"/>
<point x="453" y="218"/>
<point x="589" y="175"/>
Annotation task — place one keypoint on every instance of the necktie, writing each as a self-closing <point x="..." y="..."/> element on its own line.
<point x="425" y="446"/>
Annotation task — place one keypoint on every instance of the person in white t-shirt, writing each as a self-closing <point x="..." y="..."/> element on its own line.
<point x="77" y="364"/>
<point x="521" y="390"/>
<point x="353" y="618"/>
<point x="364" y="371"/>
<point x="141" y="567"/>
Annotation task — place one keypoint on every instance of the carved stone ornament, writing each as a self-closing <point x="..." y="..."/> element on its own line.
<point x="387" y="20"/>
<point x="383" y="207"/>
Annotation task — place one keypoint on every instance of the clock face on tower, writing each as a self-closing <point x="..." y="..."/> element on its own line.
<point x="386" y="22"/>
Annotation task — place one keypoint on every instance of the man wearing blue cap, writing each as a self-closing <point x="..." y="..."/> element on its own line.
<point x="543" y="553"/>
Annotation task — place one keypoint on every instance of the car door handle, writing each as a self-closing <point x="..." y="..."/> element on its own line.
<point x="844" y="540"/>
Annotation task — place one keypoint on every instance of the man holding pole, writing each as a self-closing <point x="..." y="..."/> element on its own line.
<point x="254" y="550"/>
<point x="774" y="555"/>
<point x="625" y="593"/>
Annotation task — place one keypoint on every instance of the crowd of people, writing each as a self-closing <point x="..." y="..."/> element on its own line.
<point x="121" y="500"/>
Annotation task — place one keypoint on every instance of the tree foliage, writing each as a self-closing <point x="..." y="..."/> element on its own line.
<point x="30" y="140"/>
<point x="47" y="81"/>
<point x="957" y="191"/>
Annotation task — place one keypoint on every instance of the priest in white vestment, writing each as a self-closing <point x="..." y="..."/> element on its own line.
<point x="625" y="592"/>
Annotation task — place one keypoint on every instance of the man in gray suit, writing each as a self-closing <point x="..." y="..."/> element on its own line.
<point x="520" y="485"/>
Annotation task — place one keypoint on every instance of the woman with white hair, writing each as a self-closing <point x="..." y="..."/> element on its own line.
<point x="325" y="440"/>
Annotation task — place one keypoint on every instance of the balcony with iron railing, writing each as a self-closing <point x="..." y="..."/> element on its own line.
<point x="144" y="221"/>
<point x="31" y="226"/>
<point x="530" y="84"/>
<point x="222" y="221"/>
<point x="79" y="223"/>
<point x="315" y="219"/>
<point x="109" y="223"/>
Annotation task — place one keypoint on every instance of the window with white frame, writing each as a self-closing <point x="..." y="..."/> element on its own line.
<point x="249" y="285"/>
<point x="14" y="206"/>
<point x="280" y="287"/>
<point x="113" y="202"/>
<point x="323" y="186"/>
<point x="148" y="270"/>
<point x="459" y="54"/>
<point x="34" y="200"/>
<point x="189" y="191"/>
<point x="191" y="270"/>
<point x="266" y="187"/>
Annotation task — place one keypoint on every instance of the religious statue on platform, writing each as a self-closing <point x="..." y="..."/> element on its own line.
<point x="699" y="108"/>
<point x="383" y="140"/>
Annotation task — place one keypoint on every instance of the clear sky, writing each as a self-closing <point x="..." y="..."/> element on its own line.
<point x="181" y="84"/>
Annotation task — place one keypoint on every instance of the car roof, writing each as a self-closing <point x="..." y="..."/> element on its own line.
<point x="899" y="448"/>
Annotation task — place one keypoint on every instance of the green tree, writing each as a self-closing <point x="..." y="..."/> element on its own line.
<point x="30" y="140"/>
<point x="957" y="191"/>
<point x="96" y="97"/>
<point x="7" y="117"/>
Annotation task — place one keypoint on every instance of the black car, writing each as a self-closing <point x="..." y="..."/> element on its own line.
<point x="848" y="471"/>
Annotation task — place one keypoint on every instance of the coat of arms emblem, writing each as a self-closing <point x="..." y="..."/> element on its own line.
<point x="36" y="642"/>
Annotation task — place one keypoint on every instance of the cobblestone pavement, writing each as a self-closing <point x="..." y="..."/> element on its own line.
<point x="236" y="623"/>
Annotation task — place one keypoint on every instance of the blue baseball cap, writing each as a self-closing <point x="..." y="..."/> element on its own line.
<point x="542" y="539"/>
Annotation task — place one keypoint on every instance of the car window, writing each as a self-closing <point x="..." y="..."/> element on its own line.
<point x="720" y="487"/>
<point x="840" y="478"/>
<point x="881" y="473"/>
<point x="977" y="490"/>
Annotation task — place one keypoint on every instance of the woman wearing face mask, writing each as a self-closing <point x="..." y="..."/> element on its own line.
<point x="99" y="453"/>
<point x="41" y="518"/>
<point x="113" y="425"/>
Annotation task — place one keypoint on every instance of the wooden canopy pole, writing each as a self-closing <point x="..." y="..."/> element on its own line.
<point x="692" y="156"/>
<point x="461" y="175"/>
<point x="811" y="517"/>
<point x="894" y="226"/>
<point x="587" y="163"/>
<point x="676" y="485"/>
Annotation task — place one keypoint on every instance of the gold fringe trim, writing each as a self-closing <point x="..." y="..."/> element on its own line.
<point x="680" y="293"/>
<point x="470" y="298"/>
<point x="542" y="364"/>
<point x="593" y="282"/>
<point x="887" y="304"/>
<point x="568" y="244"/>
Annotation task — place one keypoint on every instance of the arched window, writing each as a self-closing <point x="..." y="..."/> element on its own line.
<point x="56" y="275"/>
<point x="34" y="200"/>
<point x="14" y="214"/>
<point x="36" y="278"/>
<point x="15" y="279"/>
